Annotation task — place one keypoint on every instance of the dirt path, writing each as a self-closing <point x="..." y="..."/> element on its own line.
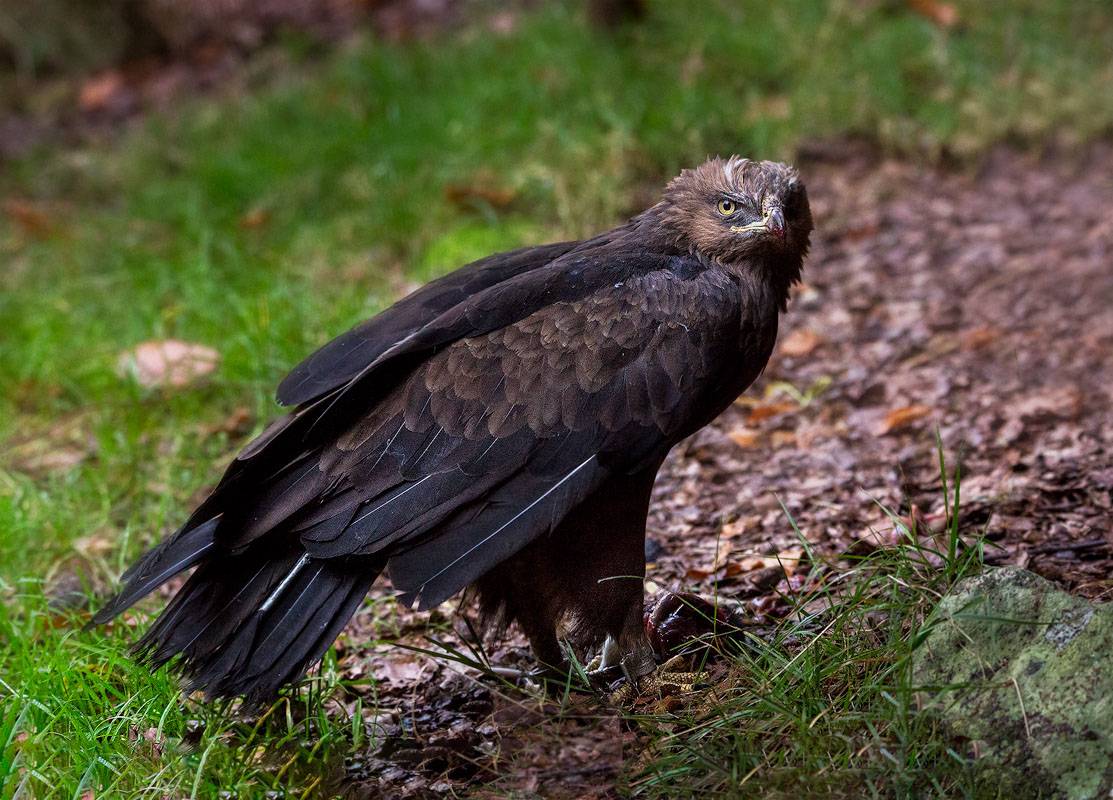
<point x="981" y="304"/>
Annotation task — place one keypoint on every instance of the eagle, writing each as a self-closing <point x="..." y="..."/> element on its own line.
<point x="496" y="431"/>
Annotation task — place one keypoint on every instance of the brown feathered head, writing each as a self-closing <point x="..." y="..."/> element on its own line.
<point x="740" y="210"/>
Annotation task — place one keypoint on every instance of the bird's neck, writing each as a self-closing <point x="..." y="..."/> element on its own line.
<point x="774" y="275"/>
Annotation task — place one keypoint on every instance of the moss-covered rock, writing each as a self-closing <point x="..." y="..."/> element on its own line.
<point x="1022" y="674"/>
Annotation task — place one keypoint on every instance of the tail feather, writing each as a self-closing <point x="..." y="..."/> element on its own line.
<point x="276" y="644"/>
<point x="247" y="623"/>
<point x="183" y="550"/>
<point x="202" y="610"/>
<point x="285" y="660"/>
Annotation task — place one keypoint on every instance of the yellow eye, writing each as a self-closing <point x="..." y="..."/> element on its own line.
<point x="727" y="206"/>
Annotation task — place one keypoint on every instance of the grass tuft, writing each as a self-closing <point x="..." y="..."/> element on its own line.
<point x="825" y="708"/>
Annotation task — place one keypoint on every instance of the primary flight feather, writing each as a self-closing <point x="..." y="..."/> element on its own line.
<point x="499" y="429"/>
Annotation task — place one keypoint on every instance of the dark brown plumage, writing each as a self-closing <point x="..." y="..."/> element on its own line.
<point x="498" y="429"/>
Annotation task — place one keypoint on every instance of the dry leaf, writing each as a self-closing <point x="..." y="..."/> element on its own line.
<point x="58" y="448"/>
<point x="732" y="568"/>
<point x="59" y="457"/>
<point x="944" y="15"/>
<point x="800" y="342"/>
<point x="467" y="195"/>
<point x="255" y="219"/>
<point x="745" y="437"/>
<point x="503" y="23"/>
<point x="93" y="546"/>
<point x="99" y="91"/>
<point x="791" y="560"/>
<point x="168" y="363"/>
<point x="860" y="232"/>
<point x="236" y="423"/>
<point x="732" y="529"/>
<point x="401" y="673"/>
<point x="763" y="412"/>
<point x="900" y="418"/>
<point x="752" y="563"/>
<point x="28" y="216"/>
<point x="977" y="338"/>
<point x="782" y="439"/>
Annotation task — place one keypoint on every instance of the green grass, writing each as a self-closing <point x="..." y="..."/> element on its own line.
<point x="348" y="159"/>
<point x="827" y="708"/>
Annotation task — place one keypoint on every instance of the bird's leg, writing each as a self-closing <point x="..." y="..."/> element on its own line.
<point x="552" y="665"/>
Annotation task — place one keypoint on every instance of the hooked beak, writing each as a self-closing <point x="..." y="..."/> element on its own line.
<point x="772" y="222"/>
<point x="775" y="222"/>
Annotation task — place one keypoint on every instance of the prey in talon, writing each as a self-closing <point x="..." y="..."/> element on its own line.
<point x="496" y="432"/>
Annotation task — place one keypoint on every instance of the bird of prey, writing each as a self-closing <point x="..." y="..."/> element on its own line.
<point x="498" y="430"/>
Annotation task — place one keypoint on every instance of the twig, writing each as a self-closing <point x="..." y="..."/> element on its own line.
<point x="1074" y="546"/>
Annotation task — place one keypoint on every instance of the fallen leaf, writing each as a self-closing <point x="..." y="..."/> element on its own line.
<point x="745" y="437"/>
<point x="30" y="217"/>
<point x="1062" y="402"/>
<point x="503" y="23"/>
<point x="900" y="418"/>
<point x="873" y="539"/>
<point x="236" y="423"/>
<point x="791" y="559"/>
<point x="800" y="342"/>
<point x="752" y="563"/>
<point x="99" y="91"/>
<point x="944" y="15"/>
<point x="59" y="458"/>
<point x="860" y="232"/>
<point x="763" y="412"/>
<point x="93" y="546"/>
<point x="168" y="363"/>
<point x="782" y="439"/>
<point x="977" y="338"/>
<point x="401" y="673"/>
<point x="60" y="447"/>
<point x="468" y="195"/>
<point x="255" y="219"/>
<point x="734" y="528"/>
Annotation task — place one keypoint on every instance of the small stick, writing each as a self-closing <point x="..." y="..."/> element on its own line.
<point x="1055" y="548"/>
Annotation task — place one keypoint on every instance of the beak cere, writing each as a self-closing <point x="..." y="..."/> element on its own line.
<point x="775" y="222"/>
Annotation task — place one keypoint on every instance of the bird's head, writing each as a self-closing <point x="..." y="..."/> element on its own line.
<point x="740" y="210"/>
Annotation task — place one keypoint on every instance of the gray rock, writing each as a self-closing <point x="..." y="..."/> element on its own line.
<point x="1022" y="674"/>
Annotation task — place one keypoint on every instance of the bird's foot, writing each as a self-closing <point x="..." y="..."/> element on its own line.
<point x="606" y="668"/>
<point x="672" y="677"/>
<point x="566" y="676"/>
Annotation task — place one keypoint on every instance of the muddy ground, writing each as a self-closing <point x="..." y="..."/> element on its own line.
<point x="978" y="305"/>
